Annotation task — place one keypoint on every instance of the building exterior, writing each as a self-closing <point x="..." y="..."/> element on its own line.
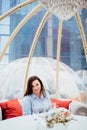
<point x="72" y="52"/>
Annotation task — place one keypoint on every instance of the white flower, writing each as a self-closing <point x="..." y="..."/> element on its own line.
<point x="60" y="115"/>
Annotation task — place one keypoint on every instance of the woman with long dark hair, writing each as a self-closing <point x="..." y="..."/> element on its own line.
<point x="36" y="99"/>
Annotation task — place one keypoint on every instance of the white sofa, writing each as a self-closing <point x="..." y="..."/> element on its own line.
<point x="75" y="107"/>
<point x="78" y="108"/>
<point x="0" y="114"/>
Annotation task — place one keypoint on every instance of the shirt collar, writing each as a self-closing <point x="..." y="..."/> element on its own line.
<point x="34" y="96"/>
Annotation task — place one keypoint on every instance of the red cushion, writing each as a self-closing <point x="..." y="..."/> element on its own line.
<point x="61" y="103"/>
<point x="11" y="109"/>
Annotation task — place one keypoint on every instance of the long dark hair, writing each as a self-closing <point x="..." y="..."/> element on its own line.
<point x="29" y="90"/>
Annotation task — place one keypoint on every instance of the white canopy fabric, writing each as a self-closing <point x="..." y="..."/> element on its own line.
<point x="13" y="75"/>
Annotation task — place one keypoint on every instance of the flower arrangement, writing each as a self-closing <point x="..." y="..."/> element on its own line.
<point x="64" y="9"/>
<point x="60" y="115"/>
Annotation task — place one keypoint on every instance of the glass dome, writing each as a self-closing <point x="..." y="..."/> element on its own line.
<point x="83" y="76"/>
<point x="33" y="28"/>
<point x="13" y="75"/>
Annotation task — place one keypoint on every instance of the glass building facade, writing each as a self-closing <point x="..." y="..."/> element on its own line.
<point x="72" y="52"/>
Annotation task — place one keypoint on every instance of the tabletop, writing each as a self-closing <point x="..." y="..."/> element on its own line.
<point x="35" y="122"/>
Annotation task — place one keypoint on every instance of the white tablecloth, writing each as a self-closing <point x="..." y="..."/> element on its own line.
<point x="31" y="122"/>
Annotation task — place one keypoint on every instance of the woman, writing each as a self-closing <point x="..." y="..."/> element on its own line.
<point x="35" y="100"/>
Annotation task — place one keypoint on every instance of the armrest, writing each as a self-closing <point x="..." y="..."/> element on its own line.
<point x="0" y="114"/>
<point x="78" y="108"/>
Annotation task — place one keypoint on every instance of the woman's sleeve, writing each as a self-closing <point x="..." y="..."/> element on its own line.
<point x="48" y="97"/>
<point x="26" y="105"/>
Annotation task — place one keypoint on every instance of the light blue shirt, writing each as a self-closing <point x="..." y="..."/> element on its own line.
<point x="32" y="104"/>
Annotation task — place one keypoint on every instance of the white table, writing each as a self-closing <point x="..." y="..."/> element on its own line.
<point x="31" y="123"/>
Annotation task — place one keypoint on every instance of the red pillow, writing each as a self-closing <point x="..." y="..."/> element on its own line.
<point x="61" y="103"/>
<point x="11" y="109"/>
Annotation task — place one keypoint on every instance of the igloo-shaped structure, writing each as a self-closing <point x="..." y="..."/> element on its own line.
<point x="13" y="75"/>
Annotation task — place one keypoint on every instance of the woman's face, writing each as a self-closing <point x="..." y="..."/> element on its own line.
<point x="36" y="87"/>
